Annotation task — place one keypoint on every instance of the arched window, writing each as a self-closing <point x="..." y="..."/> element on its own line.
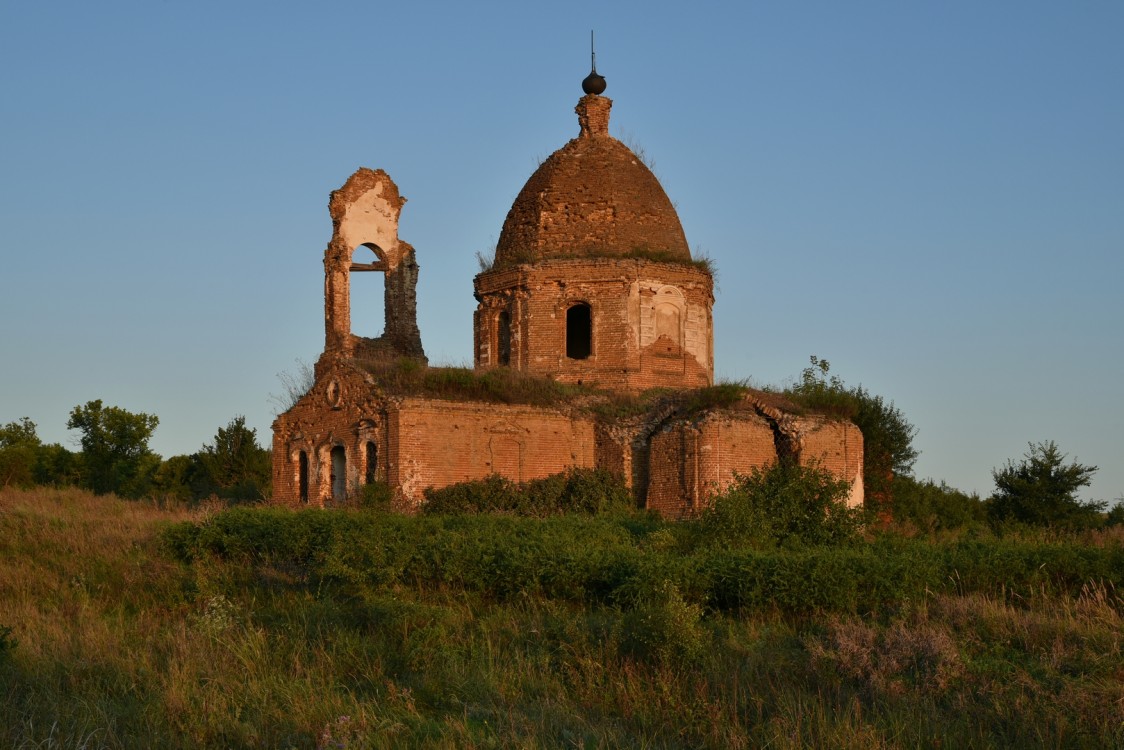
<point x="372" y="457"/>
<point x="302" y="476"/>
<point x="503" y="338"/>
<point x="579" y="331"/>
<point x="339" y="474"/>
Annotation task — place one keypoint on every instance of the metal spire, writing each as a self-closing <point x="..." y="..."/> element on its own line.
<point x="593" y="83"/>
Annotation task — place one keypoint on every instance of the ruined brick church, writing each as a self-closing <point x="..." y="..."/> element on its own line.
<point x="592" y="287"/>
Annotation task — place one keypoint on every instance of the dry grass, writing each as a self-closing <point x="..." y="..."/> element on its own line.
<point x="118" y="647"/>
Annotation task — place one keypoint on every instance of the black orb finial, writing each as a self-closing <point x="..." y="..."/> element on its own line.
<point x="593" y="83"/>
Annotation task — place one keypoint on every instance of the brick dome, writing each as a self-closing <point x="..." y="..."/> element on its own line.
<point x="592" y="198"/>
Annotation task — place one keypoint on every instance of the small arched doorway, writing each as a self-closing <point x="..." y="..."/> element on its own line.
<point x="339" y="474"/>
<point x="302" y="476"/>
<point x="372" y="457"/>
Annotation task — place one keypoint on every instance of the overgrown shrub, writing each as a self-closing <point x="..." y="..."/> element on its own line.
<point x="492" y="494"/>
<point x="624" y="562"/>
<point x="376" y="496"/>
<point x="585" y="491"/>
<point x="717" y="396"/>
<point x="663" y="627"/>
<point x="887" y="435"/>
<point x="782" y="504"/>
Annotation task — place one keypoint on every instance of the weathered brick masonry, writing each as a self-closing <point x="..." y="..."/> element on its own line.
<point x="592" y="283"/>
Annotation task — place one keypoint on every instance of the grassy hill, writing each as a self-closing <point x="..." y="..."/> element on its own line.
<point x="124" y="625"/>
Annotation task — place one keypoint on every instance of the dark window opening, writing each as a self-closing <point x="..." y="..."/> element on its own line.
<point x="579" y="331"/>
<point x="372" y="462"/>
<point x="302" y="477"/>
<point x="503" y="338"/>
<point x="339" y="474"/>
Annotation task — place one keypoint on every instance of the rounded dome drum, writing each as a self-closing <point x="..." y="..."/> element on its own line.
<point x="592" y="198"/>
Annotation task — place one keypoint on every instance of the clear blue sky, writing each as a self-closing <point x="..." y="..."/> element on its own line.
<point x="928" y="195"/>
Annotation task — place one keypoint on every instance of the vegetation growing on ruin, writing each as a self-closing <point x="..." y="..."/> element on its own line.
<point x="701" y="261"/>
<point x="888" y="449"/>
<point x="504" y="385"/>
<point x="501" y="385"/>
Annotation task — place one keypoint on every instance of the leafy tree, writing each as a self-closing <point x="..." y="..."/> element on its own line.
<point x="115" y="448"/>
<point x="887" y="435"/>
<point x="58" y="466"/>
<point x="173" y="479"/>
<point x="936" y="507"/>
<point x="234" y="466"/>
<point x="1042" y="490"/>
<point x="1115" y="516"/>
<point x="19" y="449"/>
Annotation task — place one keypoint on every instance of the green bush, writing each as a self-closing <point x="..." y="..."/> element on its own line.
<point x="887" y="435"/>
<point x="782" y="504"/>
<point x="376" y="496"/>
<point x="614" y="561"/>
<point x="492" y="494"/>
<point x="584" y="491"/>
<point x="663" y="627"/>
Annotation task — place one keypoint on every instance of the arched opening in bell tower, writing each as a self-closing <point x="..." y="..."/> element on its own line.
<point x="367" y="291"/>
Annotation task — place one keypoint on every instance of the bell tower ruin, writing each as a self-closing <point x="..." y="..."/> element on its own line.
<point x="365" y="239"/>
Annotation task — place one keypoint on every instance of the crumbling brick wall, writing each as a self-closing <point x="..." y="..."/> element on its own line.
<point x="691" y="460"/>
<point x="837" y="446"/>
<point x="673" y="464"/>
<point x="651" y="322"/>
<point x="417" y="442"/>
<point x="436" y="443"/>
<point x="343" y="409"/>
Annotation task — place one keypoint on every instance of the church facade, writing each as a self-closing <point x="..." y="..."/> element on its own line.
<point x="593" y="288"/>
